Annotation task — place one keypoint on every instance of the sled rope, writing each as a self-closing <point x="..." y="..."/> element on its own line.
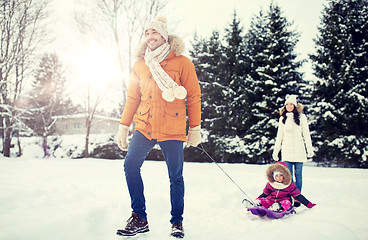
<point x="204" y="151"/>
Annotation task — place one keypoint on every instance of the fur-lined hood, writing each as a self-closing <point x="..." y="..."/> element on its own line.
<point x="282" y="168"/>
<point x="176" y="43"/>
<point x="299" y="108"/>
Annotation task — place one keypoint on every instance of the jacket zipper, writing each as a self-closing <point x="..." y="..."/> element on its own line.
<point x="277" y="194"/>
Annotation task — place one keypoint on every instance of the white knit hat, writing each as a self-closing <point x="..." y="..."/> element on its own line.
<point x="159" y="24"/>
<point x="291" y="99"/>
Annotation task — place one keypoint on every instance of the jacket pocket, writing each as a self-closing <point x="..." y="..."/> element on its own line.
<point x="175" y="120"/>
<point x="141" y="116"/>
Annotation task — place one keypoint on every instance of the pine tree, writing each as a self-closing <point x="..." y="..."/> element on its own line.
<point x="221" y="70"/>
<point x="207" y="56"/>
<point x="236" y="69"/>
<point x="341" y="94"/>
<point x="273" y="75"/>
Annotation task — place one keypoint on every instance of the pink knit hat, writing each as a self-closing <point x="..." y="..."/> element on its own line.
<point x="282" y="163"/>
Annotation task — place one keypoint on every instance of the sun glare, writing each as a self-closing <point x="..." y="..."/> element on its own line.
<point x="97" y="68"/>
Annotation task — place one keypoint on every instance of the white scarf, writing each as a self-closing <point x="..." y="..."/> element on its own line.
<point x="278" y="185"/>
<point x="170" y="89"/>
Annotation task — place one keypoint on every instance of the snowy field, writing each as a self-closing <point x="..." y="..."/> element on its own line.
<point x="65" y="199"/>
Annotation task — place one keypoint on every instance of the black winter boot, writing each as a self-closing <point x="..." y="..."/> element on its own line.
<point x="177" y="230"/>
<point x="135" y="225"/>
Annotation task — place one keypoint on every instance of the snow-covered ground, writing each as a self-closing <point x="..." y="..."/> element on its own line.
<point x="65" y="199"/>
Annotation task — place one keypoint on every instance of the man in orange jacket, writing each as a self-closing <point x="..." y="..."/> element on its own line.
<point x="163" y="87"/>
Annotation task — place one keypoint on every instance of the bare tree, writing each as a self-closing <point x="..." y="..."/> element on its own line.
<point x="21" y="32"/>
<point x="116" y="24"/>
<point x="48" y="99"/>
<point x="91" y="110"/>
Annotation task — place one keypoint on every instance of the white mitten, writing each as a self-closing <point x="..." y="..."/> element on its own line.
<point x="194" y="136"/>
<point x="275" y="155"/>
<point x="310" y="153"/>
<point x="257" y="202"/>
<point x="122" y="136"/>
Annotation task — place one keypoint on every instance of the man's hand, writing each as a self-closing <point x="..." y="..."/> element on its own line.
<point x="122" y="136"/>
<point x="194" y="136"/>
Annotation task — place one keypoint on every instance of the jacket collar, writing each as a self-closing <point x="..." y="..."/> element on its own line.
<point x="176" y="44"/>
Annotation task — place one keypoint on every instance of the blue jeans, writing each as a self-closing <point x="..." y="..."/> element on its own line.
<point x="298" y="166"/>
<point x="172" y="150"/>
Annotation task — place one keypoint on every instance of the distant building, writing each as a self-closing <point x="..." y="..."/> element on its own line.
<point x="76" y="124"/>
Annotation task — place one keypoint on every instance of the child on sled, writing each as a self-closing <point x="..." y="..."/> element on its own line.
<point x="279" y="191"/>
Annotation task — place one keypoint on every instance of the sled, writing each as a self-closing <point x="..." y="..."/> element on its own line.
<point x="262" y="211"/>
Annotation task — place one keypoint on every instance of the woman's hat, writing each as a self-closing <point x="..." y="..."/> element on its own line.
<point x="291" y="99"/>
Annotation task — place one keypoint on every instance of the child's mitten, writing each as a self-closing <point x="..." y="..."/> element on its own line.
<point x="310" y="205"/>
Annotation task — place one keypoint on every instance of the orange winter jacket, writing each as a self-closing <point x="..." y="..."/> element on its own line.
<point x="156" y="118"/>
